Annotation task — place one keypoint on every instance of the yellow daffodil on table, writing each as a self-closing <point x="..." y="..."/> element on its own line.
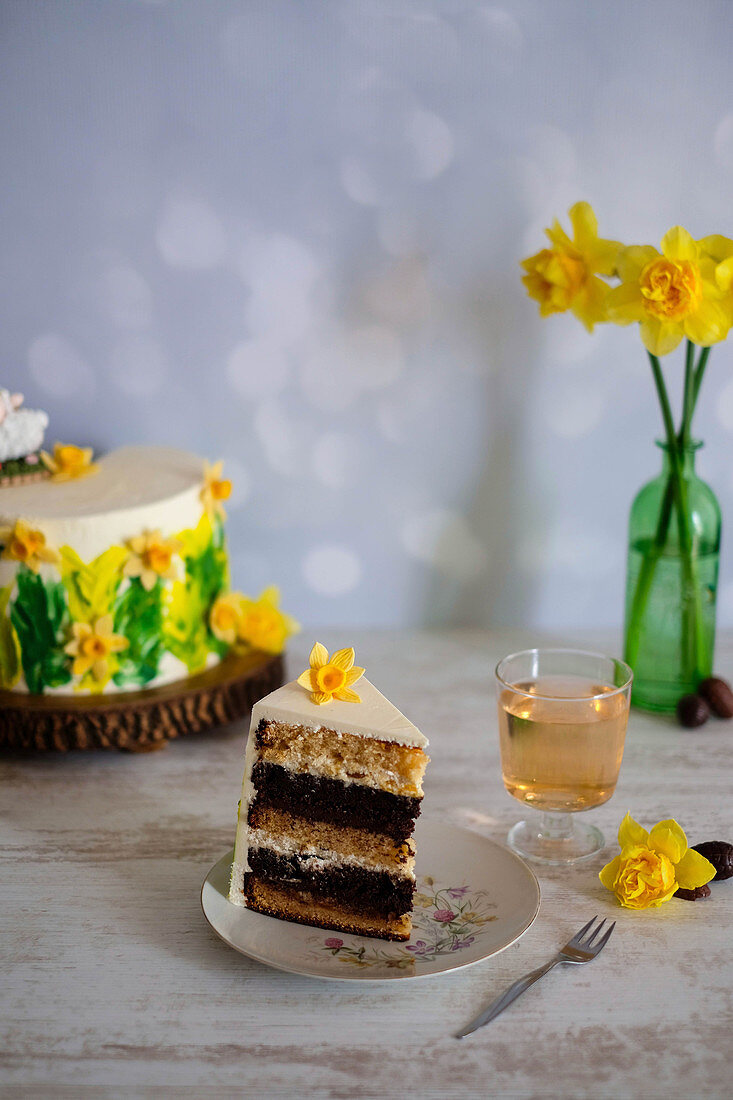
<point x="28" y="545"/>
<point x="672" y="294"/>
<point x="69" y="462"/>
<point x="91" y="647"/>
<point x="262" y="625"/>
<point x="151" y="557"/>
<point x="216" y="489"/>
<point x="331" y="677"/>
<point x="653" y="865"/>
<point x="565" y="276"/>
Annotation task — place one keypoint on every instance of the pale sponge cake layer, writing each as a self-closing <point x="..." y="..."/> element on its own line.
<point x="301" y="907"/>
<point x="286" y="833"/>
<point x="386" y="765"/>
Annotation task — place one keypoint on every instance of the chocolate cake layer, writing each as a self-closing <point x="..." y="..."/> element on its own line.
<point x="321" y="799"/>
<point x="356" y="887"/>
<point x="297" y="905"/>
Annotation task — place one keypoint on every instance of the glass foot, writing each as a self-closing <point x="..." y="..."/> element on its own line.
<point x="555" y="839"/>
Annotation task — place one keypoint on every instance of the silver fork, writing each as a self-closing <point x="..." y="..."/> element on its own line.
<point x="583" y="947"/>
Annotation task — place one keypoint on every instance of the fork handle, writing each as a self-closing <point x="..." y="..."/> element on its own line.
<point x="507" y="997"/>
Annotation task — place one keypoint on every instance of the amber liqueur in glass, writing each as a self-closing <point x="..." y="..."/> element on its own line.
<point x="562" y="739"/>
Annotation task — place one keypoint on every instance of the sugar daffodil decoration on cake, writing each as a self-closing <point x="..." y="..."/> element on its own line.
<point x="69" y="462"/>
<point x="566" y="276"/>
<point x="653" y="865"/>
<point x="239" y="621"/>
<point x="216" y="490"/>
<point x="152" y="557"/>
<point x="331" y="677"/>
<point x="92" y="645"/>
<point x="27" y="545"/>
<point x="262" y="625"/>
<point x="225" y="617"/>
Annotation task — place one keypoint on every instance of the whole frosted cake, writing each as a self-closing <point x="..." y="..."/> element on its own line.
<point x="332" y="787"/>
<point x="115" y="581"/>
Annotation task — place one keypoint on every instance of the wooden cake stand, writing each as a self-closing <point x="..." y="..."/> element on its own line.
<point x="138" y="721"/>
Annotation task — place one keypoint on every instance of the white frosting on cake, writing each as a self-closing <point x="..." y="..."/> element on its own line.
<point x="134" y="489"/>
<point x="374" y="717"/>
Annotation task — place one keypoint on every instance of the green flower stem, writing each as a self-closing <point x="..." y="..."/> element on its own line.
<point x="697" y="382"/>
<point x="684" y="432"/>
<point x="693" y="642"/>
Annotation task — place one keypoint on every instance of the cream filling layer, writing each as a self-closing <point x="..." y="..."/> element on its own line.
<point x="315" y="858"/>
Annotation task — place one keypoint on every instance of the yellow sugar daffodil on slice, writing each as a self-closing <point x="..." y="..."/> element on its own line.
<point x="672" y="294"/>
<point x="262" y="625"/>
<point x="27" y="545"/>
<point x="565" y="276"/>
<point x="69" y="462"/>
<point x="91" y="646"/>
<point x="152" y="556"/>
<point x="331" y="677"/>
<point x="216" y="489"/>
<point x="653" y="865"/>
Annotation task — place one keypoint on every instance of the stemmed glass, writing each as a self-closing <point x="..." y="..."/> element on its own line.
<point x="562" y="725"/>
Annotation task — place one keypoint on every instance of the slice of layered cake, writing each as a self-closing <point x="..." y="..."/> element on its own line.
<point x="332" y="787"/>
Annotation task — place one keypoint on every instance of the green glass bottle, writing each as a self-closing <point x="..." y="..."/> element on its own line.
<point x="671" y="584"/>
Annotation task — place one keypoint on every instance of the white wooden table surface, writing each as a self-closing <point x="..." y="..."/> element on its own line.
<point x="113" y="984"/>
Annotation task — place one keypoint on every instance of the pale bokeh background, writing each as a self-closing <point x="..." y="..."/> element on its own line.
<point x="287" y="234"/>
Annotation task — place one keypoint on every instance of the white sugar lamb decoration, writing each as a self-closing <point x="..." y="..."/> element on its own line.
<point x="21" y="430"/>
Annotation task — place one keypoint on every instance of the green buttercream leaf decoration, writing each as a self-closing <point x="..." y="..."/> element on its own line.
<point x="186" y="626"/>
<point x="92" y="587"/>
<point x="10" y="666"/>
<point x="41" y="620"/>
<point x="139" y="616"/>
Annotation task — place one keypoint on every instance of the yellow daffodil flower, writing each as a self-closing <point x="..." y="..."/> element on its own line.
<point x="225" y="617"/>
<point x="672" y="294"/>
<point x="262" y="625"/>
<point x="565" y="277"/>
<point x="720" y="250"/>
<point x="91" y="646"/>
<point x="329" y="678"/>
<point x="152" y="556"/>
<point x="27" y="545"/>
<point x="69" y="462"/>
<point x="653" y="865"/>
<point x="216" y="489"/>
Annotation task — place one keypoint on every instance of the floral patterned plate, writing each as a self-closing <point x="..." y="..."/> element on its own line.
<point x="474" y="898"/>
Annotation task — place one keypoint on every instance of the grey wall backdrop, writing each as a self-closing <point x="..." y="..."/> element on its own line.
<point x="287" y="234"/>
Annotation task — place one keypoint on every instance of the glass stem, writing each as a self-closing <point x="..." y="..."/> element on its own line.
<point x="556" y="825"/>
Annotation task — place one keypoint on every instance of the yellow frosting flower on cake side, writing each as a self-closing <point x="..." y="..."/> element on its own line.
<point x="91" y="647"/>
<point x="69" y="462"/>
<point x="653" y="865"/>
<point x="262" y="625"/>
<point x="152" y="556"/>
<point x="216" y="489"/>
<point x="225" y="617"/>
<point x="331" y="677"/>
<point x="27" y="544"/>
<point x="565" y="276"/>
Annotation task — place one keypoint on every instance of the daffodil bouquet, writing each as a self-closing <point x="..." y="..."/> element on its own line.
<point x="683" y="291"/>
